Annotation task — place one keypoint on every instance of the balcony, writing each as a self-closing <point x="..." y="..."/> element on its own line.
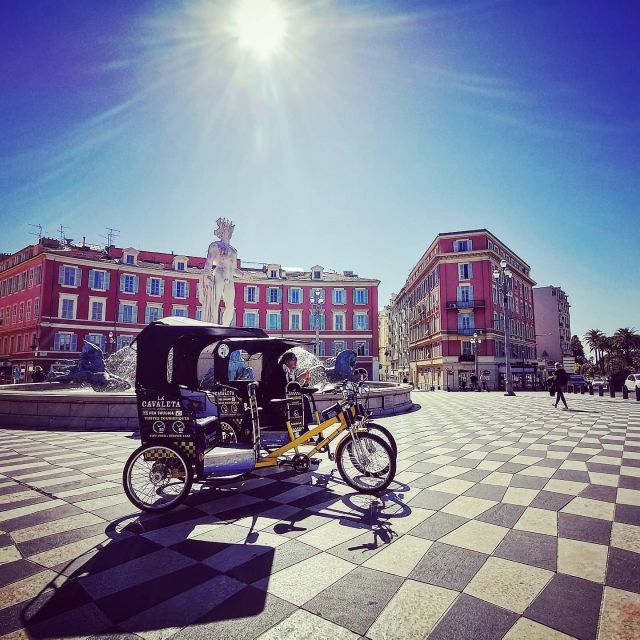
<point x="469" y="331"/>
<point x="466" y="357"/>
<point x="465" y="304"/>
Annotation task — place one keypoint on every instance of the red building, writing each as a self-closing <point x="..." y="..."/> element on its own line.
<point x="449" y="296"/>
<point x="54" y="297"/>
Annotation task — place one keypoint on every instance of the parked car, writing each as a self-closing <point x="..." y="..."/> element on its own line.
<point x="600" y="382"/>
<point x="576" y="380"/>
<point x="632" y="382"/>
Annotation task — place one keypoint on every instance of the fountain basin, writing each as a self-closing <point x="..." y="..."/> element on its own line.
<point x="71" y="407"/>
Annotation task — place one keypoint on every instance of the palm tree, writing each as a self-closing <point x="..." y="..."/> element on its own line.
<point x="626" y="341"/>
<point x="593" y="338"/>
<point x="607" y="348"/>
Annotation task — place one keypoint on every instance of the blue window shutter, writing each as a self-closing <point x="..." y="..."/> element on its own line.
<point x="92" y="277"/>
<point x="279" y="295"/>
<point x="174" y="287"/>
<point x="147" y="315"/>
<point x="122" y="282"/>
<point x="246" y="289"/>
<point x="134" y="317"/>
<point x="74" y="342"/>
<point x="289" y="298"/>
<point x="186" y="289"/>
<point x="60" y="278"/>
<point x="78" y="277"/>
<point x="56" y="342"/>
<point x="470" y="270"/>
<point x="161" y="287"/>
<point x="148" y="288"/>
<point x="120" y="314"/>
<point x="136" y="283"/>
<point x="107" y="277"/>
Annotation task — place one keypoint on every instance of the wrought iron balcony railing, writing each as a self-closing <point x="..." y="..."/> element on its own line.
<point x="465" y="304"/>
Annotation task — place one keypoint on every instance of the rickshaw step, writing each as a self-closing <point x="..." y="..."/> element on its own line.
<point x="229" y="461"/>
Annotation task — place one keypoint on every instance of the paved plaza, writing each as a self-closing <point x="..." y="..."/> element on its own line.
<point x="508" y="519"/>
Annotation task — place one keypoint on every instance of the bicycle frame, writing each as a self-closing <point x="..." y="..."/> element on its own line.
<point x="343" y="421"/>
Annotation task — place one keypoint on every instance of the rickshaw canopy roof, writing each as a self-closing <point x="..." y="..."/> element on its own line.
<point x="185" y="336"/>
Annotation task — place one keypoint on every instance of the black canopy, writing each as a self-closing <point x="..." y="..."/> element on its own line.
<point x="187" y="338"/>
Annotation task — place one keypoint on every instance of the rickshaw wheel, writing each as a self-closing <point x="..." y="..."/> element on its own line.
<point x="157" y="477"/>
<point x="366" y="462"/>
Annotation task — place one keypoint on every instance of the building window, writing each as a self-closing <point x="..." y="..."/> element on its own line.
<point x="361" y="347"/>
<point x="199" y="313"/>
<point x="466" y="348"/>
<point x="360" y="296"/>
<point x="30" y="278"/>
<point x="465" y="295"/>
<point x="337" y="346"/>
<point x="97" y="339"/>
<point x="155" y="286"/>
<point x="295" y="321"/>
<point x="180" y="289"/>
<point x="128" y="283"/>
<point x="274" y="295"/>
<point x="128" y="313"/>
<point x="67" y="308"/>
<point x="339" y="296"/>
<point x="273" y="274"/>
<point x="28" y="310"/>
<point x="338" y="321"/>
<point x="152" y="313"/>
<point x="274" y="321"/>
<point x="63" y="341"/>
<point x="129" y="259"/>
<point x="36" y="308"/>
<point x="295" y="296"/>
<point x="98" y="280"/>
<point x="251" y="294"/>
<point x="461" y="245"/>
<point x="317" y="322"/>
<point x="250" y="319"/>
<point x="69" y="276"/>
<point x="316" y="275"/>
<point x="181" y="266"/>
<point x="360" y="322"/>
<point x="123" y="341"/>
<point x="21" y="312"/>
<point x="465" y="271"/>
<point x="97" y="310"/>
<point x="179" y="311"/>
<point x="319" y="349"/>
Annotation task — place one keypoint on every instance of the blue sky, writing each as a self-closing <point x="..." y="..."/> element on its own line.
<point x="377" y="126"/>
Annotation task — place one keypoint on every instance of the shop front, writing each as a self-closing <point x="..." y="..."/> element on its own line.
<point x="524" y="377"/>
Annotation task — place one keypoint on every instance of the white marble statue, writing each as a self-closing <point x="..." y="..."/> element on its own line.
<point x="216" y="281"/>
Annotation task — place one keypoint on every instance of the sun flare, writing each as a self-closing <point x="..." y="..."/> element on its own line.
<point x="260" y="27"/>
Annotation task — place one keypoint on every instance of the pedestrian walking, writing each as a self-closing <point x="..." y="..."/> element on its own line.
<point x="560" y="380"/>
<point x="474" y="382"/>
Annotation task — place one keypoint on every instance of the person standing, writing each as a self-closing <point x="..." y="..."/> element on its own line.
<point x="560" y="380"/>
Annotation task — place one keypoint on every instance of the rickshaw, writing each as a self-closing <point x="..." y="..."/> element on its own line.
<point x="213" y="404"/>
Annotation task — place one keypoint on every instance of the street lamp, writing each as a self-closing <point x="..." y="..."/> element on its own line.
<point x="111" y="341"/>
<point x="475" y="341"/>
<point x="317" y="303"/>
<point x="504" y="279"/>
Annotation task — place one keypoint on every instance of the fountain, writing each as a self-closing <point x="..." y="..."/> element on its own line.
<point x="80" y="406"/>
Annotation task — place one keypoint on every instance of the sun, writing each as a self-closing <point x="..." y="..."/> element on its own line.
<point x="260" y="27"/>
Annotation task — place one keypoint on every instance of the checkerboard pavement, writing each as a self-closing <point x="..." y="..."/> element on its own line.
<point x="508" y="519"/>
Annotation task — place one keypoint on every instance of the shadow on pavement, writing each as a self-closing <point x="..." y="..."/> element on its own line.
<point x="149" y="575"/>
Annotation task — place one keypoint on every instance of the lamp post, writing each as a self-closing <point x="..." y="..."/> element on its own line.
<point x="317" y="303"/>
<point x="504" y="279"/>
<point x="111" y="341"/>
<point x="475" y="341"/>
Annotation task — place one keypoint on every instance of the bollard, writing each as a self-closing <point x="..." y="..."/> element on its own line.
<point x="582" y="389"/>
<point x="638" y="394"/>
<point x="590" y="389"/>
<point x="601" y="391"/>
<point x="612" y="390"/>
<point x="625" y="392"/>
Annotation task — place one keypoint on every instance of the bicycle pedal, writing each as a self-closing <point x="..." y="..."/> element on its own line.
<point x="332" y="456"/>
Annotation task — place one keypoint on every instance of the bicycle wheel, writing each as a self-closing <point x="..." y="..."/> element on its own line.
<point x="157" y="478"/>
<point x="365" y="462"/>
<point x="385" y="434"/>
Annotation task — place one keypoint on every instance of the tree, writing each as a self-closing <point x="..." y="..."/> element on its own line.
<point x="626" y="341"/>
<point x="593" y="338"/>
<point x="577" y="349"/>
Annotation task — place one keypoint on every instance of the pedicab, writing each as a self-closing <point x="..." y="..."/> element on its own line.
<point x="213" y="403"/>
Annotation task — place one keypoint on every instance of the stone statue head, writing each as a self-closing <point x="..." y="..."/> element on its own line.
<point x="224" y="230"/>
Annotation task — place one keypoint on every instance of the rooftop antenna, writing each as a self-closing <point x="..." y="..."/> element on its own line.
<point x="111" y="234"/>
<point x="36" y="233"/>
<point x="61" y="232"/>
